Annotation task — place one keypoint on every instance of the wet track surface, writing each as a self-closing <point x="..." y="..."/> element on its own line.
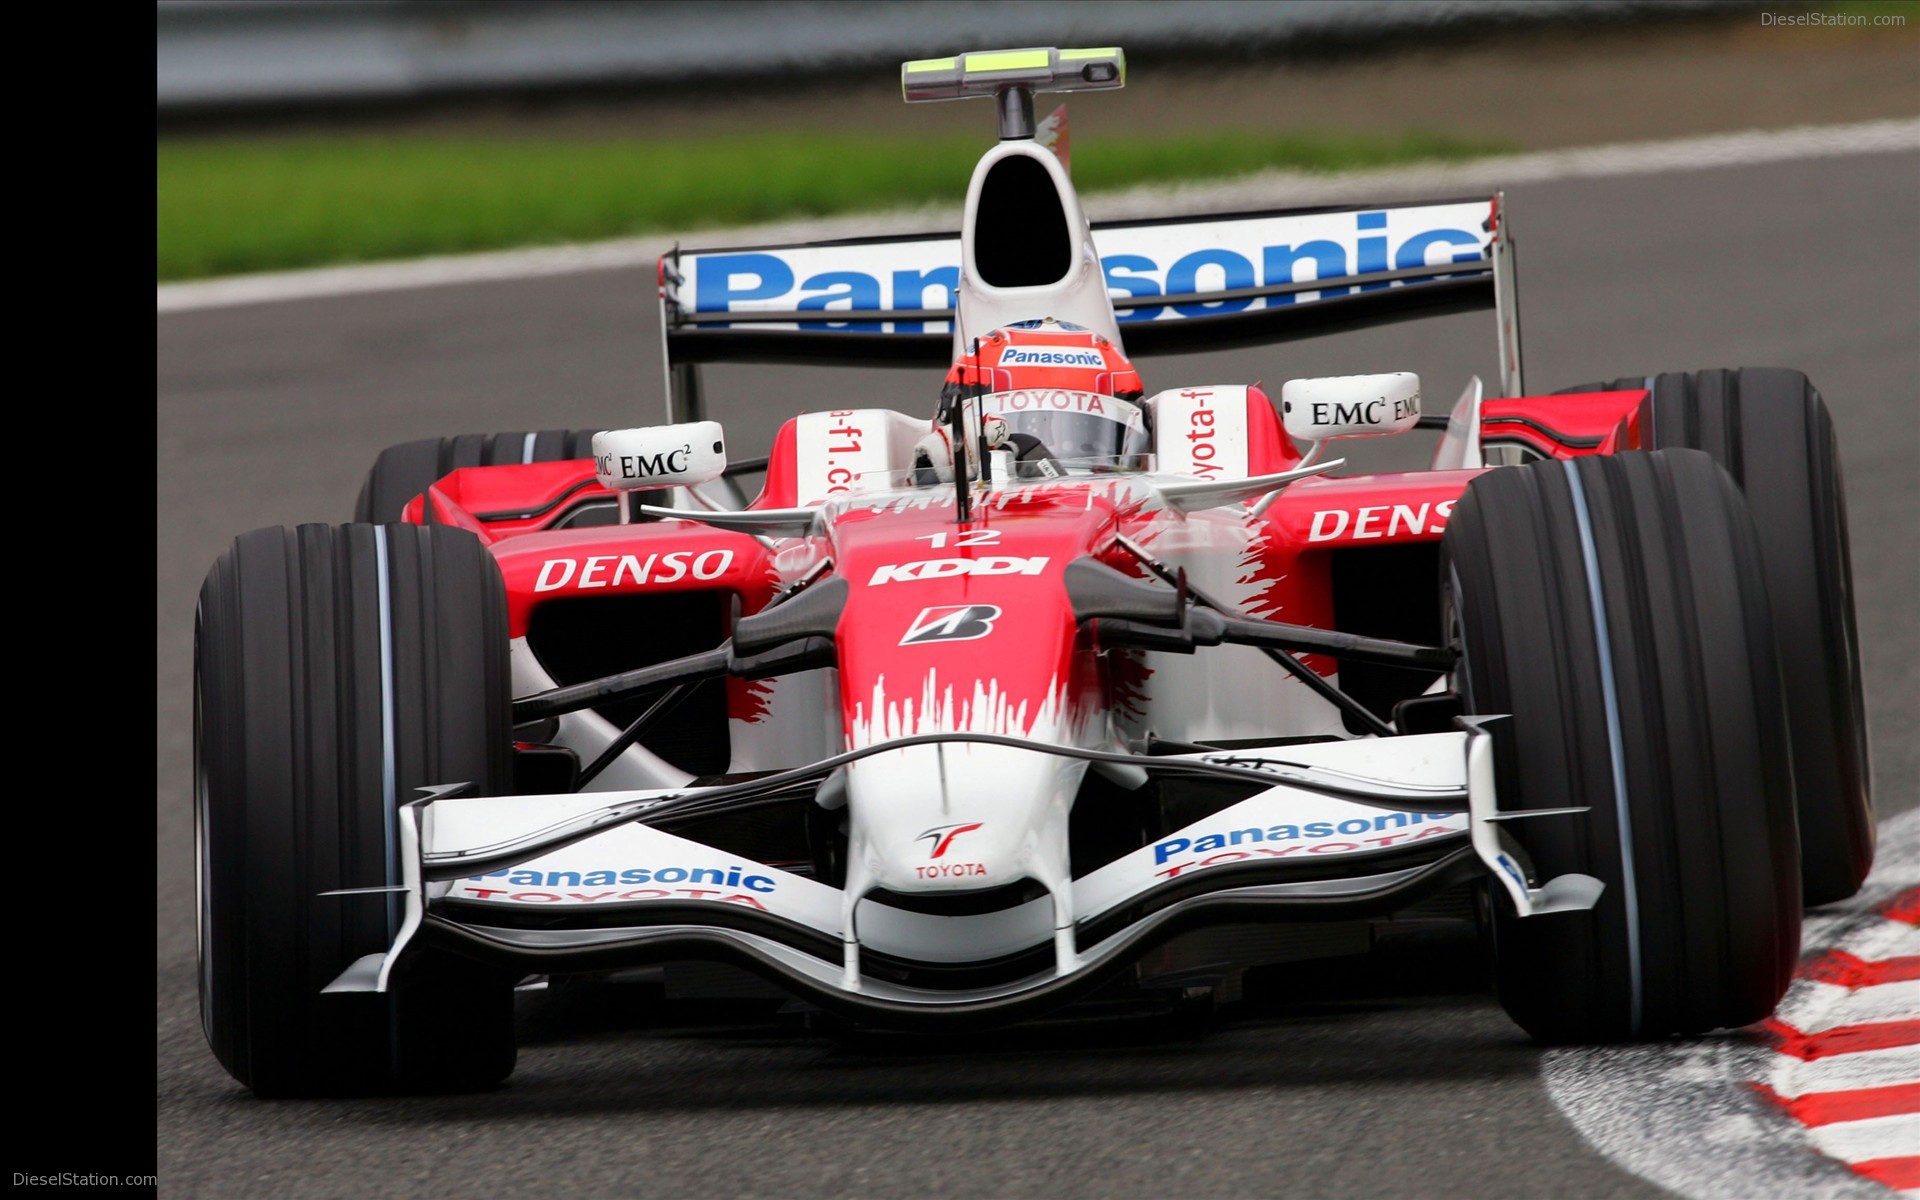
<point x="1394" y="1075"/>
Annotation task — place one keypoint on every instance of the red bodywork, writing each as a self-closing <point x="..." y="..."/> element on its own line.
<point x="1014" y="549"/>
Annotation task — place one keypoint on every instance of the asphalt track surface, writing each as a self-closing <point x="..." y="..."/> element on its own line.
<point x="1396" y="1075"/>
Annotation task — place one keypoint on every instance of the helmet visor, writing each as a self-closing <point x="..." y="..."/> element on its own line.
<point x="1072" y="425"/>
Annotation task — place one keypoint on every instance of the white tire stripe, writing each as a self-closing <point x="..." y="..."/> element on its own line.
<point x="1610" y="699"/>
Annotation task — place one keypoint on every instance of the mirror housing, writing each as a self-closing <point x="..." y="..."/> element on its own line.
<point x="658" y="456"/>
<point x="1340" y="406"/>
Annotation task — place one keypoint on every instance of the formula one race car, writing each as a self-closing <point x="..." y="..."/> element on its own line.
<point x="1073" y="689"/>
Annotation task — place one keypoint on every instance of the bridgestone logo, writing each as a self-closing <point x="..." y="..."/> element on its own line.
<point x="948" y="568"/>
<point x="1014" y="356"/>
<point x="951" y="623"/>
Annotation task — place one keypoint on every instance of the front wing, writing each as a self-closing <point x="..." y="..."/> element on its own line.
<point x="578" y="882"/>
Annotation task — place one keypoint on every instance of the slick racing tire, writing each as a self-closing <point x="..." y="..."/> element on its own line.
<point x="410" y="468"/>
<point x="336" y="671"/>
<point x="1615" y="607"/>
<point x="1770" y="429"/>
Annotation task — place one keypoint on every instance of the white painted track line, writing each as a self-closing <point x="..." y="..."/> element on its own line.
<point x="1268" y="189"/>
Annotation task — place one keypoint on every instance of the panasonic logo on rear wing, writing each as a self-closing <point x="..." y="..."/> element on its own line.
<point x="1165" y="271"/>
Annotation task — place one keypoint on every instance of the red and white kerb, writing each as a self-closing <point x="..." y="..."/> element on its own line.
<point x="1846" y="1041"/>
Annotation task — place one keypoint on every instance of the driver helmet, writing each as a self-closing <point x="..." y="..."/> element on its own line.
<point x="1063" y="391"/>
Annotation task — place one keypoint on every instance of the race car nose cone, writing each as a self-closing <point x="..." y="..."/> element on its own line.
<point x="1000" y="815"/>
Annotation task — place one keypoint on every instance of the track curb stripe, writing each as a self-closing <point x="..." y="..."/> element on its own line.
<point x="1898" y="1173"/>
<point x="1842" y="1039"/>
<point x="1820" y="1101"/>
<point x="1860" y="1104"/>
<point x="1844" y="970"/>
<point x="1843" y="998"/>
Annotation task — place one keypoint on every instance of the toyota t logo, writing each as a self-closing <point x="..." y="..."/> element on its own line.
<point x="942" y="836"/>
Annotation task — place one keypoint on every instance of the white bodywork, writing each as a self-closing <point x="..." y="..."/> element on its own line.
<point x="658" y="456"/>
<point x="1079" y="297"/>
<point x="1342" y="406"/>
<point x="1200" y="430"/>
<point x="849" y="451"/>
<point x="635" y="863"/>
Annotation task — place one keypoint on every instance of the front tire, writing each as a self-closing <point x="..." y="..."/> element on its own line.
<point x="1615" y="607"/>
<point x="336" y="670"/>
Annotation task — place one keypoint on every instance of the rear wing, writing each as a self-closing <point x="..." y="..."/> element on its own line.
<point x="1177" y="286"/>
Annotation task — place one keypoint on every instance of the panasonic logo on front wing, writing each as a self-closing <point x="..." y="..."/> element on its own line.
<point x="1016" y="356"/>
<point x="949" y="568"/>
<point x="732" y="876"/>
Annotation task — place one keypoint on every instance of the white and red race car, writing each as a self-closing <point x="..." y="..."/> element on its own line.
<point x="1074" y="688"/>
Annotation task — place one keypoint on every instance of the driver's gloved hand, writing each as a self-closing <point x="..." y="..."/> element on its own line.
<point x="933" y="454"/>
<point x="1031" y="457"/>
<point x="933" y="459"/>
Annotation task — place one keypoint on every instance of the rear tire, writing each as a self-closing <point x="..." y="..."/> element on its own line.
<point x="292" y="756"/>
<point x="410" y="468"/>
<point x="1663" y="718"/>
<point x="1770" y="429"/>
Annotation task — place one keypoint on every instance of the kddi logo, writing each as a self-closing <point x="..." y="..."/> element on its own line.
<point x="951" y="623"/>
<point x="948" y="568"/>
<point x="647" y="466"/>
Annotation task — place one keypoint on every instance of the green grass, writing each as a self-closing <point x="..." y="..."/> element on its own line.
<point x="229" y="206"/>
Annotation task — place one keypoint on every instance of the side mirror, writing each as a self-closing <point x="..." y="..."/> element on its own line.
<point x="1340" y="406"/>
<point x="660" y="456"/>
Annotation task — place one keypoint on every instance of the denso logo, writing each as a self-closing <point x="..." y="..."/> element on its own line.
<point x="1018" y="356"/>
<point x="1379" y="521"/>
<point x="612" y="570"/>
<point x="948" y="568"/>
<point x="725" y="281"/>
